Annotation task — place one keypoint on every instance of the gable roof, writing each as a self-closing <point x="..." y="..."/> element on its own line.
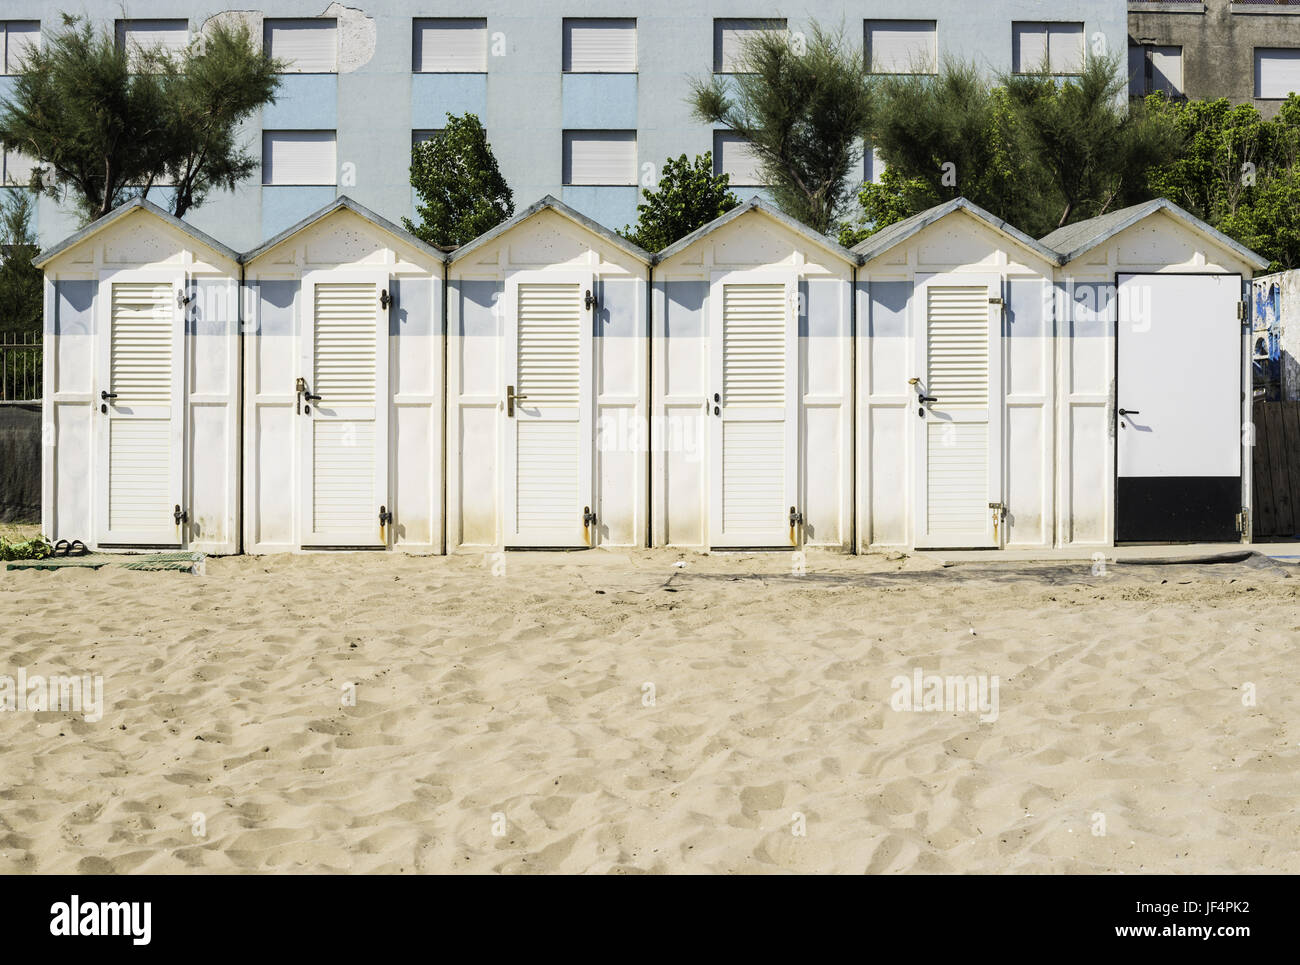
<point x="758" y="204"/>
<point x="1079" y="238"/>
<point x="560" y="208"/>
<point x="340" y="203"/>
<point x="898" y="232"/>
<point x="122" y="211"/>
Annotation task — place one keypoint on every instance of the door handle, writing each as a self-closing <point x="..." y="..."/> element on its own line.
<point x="926" y="398"/>
<point x="104" y="397"/>
<point x="1130" y="412"/>
<point x="511" y="399"/>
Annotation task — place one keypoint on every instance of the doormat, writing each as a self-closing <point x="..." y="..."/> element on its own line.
<point x="152" y="562"/>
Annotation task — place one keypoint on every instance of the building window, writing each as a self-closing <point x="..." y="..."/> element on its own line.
<point x="1056" y="48"/>
<point x="17" y="169"/>
<point x="902" y="46"/>
<point x="729" y="37"/>
<point x="732" y="156"/>
<point x="1154" y="69"/>
<point x="1277" y="72"/>
<point x="139" y="36"/>
<point x="306" y="46"/>
<point x="18" y="37"/>
<point x="298" y="157"/>
<point x="873" y="166"/>
<point x="600" y="157"/>
<point x="599" y="46"/>
<point x="446" y="46"/>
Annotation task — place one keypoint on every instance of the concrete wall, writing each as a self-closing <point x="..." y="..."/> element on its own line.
<point x="1218" y="38"/>
<point x="524" y="99"/>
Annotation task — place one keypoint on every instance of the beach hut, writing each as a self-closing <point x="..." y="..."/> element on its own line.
<point x="141" y="402"/>
<point x="343" y="387"/>
<point x="956" y="383"/>
<point x="1155" y="384"/>
<point x="753" y="384"/>
<point x="547" y="391"/>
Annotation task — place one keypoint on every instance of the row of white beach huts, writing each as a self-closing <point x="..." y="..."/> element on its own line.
<point x="951" y="382"/>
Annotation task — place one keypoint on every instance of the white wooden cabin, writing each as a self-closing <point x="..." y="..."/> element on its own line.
<point x="1155" y="379"/>
<point x="141" y="364"/>
<point x="753" y="381"/>
<point x="547" y="385"/>
<point x="343" y="387"/>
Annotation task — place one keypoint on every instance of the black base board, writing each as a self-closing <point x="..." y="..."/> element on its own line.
<point x="1177" y="509"/>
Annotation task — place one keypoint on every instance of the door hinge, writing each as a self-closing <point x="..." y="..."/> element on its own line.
<point x="796" y="517"/>
<point x="995" y="300"/>
<point x="385" y="516"/>
<point x="1243" y="311"/>
<point x="180" y="515"/>
<point x="1242" y="520"/>
<point x="384" y="298"/>
<point x="588" y="517"/>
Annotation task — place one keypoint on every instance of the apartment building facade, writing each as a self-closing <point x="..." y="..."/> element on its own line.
<point x="582" y="100"/>
<point x="1245" y="50"/>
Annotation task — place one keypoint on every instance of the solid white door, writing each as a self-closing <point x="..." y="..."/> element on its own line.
<point x="343" y="412"/>
<point x="140" y="384"/>
<point x="753" y="410"/>
<point x="958" y="454"/>
<point x="1178" y="444"/>
<point x="548" y="438"/>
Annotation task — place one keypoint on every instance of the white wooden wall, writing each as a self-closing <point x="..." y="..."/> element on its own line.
<point x="74" y="320"/>
<point x="273" y="307"/>
<point x="476" y="418"/>
<point x="683" y="290"/>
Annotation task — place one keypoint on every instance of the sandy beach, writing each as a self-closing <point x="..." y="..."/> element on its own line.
<point x="653" y="712"/>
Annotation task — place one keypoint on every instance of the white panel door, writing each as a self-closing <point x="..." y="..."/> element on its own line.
<point x="549" y="434"/>
<point x="343" y="413"/>
<point x="754" y="410"/>
<point x="958" y="439"/>
<point x="140" y="390"/>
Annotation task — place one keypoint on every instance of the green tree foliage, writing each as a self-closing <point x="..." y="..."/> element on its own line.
<point x="20" y="280"/>
<point x="688" y="196"/>
<point x="105" y="124"/>
<point x="462" y="193"/>
<point x="1034" y="149"/>
<point x="1238" y="171"/>
<point x="1093" y="147"/>
<point x="803" y="105"/>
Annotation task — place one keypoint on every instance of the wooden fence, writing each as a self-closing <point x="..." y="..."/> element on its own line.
<point x="1276" y="469"/>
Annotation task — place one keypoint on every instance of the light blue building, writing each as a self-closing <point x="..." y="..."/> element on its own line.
<point x="582" y="100"/>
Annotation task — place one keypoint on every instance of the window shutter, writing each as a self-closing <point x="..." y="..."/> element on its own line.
<point x="600" y="46"/>
<point x="729" y="38"/>
<point x="1277" y="72"/>
<point x="600" y="157"/>
<point x="902" y="46"/>
<point x="307" y="46"/>
<point x="171" y="35"/>
<point x="21" y="36"/>
<point x="1065" y="47"/>
<point x="732" y="156"/>
<point x="450" y="46"/>
<point x="298" y="157"/>
<point x="1028" y="47"/>
<point x="1167" y="70"/>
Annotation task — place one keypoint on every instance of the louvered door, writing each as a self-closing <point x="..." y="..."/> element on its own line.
<point x="139" y="400"/>
<point x="547" y="464"/>
<point x="343" y="435"/>
<point x="753" y="410"/>
<point x="959" y="433"/>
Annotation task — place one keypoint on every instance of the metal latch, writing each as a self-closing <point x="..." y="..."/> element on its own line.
<point x="796" y="517"/>
<point x="1243" y="520"/>
<point x="999" y="514"/>
<point x="995" y="300"/>
<point x="511" y="398"/>
<point x="588" y="517"/>
<point x="385" y="516"/>
<point x="180" y="515"/>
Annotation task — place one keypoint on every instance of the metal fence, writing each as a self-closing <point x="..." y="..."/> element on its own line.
<point x="20" y="367"/>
